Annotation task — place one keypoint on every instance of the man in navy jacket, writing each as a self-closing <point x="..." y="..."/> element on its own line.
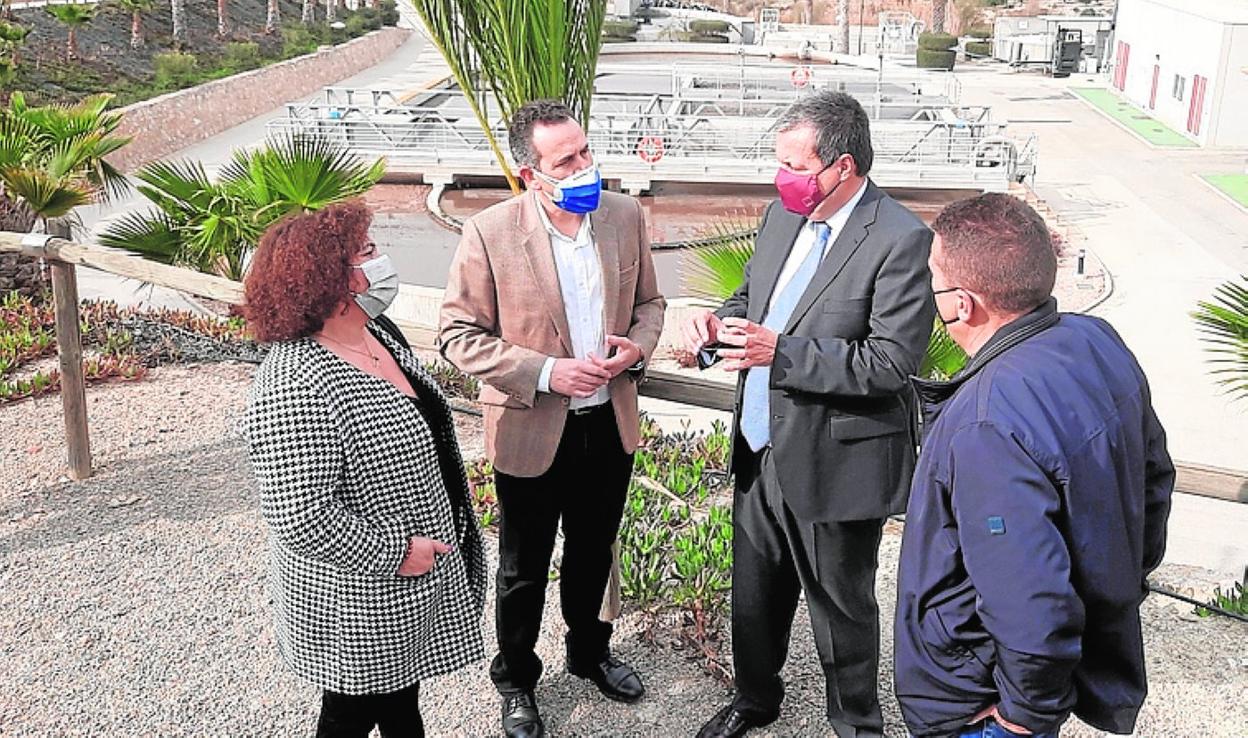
<point x="1039" y="503"/>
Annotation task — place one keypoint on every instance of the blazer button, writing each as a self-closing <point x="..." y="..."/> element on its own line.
<point x="565" y="400"/>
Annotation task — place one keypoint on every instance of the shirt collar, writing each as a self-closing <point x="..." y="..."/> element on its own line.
<point x="582" y="235"/>
<point x="841" y="216"/>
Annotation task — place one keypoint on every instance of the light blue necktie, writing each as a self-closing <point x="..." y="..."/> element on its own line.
<point x="755" y="403"/>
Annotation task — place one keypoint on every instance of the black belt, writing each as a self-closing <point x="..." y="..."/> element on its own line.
<point x="582" y="411"/>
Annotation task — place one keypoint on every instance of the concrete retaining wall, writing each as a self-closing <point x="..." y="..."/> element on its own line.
<point x="170" y="123"/>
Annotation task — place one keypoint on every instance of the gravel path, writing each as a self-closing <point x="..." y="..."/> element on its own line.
<point x="132" y="604"/>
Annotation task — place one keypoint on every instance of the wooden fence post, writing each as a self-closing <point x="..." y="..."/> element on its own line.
<point x="69" y="348"/>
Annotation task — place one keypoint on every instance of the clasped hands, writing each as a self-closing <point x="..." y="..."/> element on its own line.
<point x="744" y="343"/>
<point x="583" y="377"/>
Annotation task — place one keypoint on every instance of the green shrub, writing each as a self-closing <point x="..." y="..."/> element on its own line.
<point x="241" y="56"/>
<point x="981" y="33"/>
<point x="619" y="28"/>
<point x="929" y="59"/>
<point x="651" y="13"/>
<point x="371" y="16"/>
<point x="356" y="26"/>
<point x="708" y="38"/>
<point x="298" y="40"/>
<point x="978" y="48"/>
<point x="389" y="13"/>
<point x="709" y="26"/>
<point x="937" y="41"/>
<point x="175" y="70"/>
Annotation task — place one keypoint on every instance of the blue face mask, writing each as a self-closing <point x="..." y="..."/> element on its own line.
<point x="578" y="193"/>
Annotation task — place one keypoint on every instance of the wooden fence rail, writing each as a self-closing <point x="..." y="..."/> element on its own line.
<point x="63" y="256"/>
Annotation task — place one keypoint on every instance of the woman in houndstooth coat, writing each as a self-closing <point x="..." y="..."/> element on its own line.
<point x="377" y="567"/>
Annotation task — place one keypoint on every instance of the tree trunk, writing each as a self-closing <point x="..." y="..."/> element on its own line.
<point x="331" y="11"/>
<point x="309" y="12"/>
<point x="18" y="273"/>
<point x="223" y="22"/>
<point x="136" y="30"/>
<point x="938" y="16"/>
<point x="178" y="8"/>
<point x="842" y="26"/>
<point x="274" y="19"/>
<point x="71" y="44"/>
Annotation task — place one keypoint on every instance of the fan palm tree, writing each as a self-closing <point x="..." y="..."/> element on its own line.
<point x="52" y="159"/>
<point x="213" y="226"/>
<point x="718" y="268"/>
<point x="842" y="26"/>
<point x="939" y="8"/>
<point x="137" y="8"/>
<point x="273" y="19"/>
<point x="515" y="52"/>
<point x="223" y="20"/>
<point x="73" y="16"/>
<point x="331" y="11"/>
<point x="309" y="12"/>
<point x="177" y="11"/>
<point x="1224" y="325"/>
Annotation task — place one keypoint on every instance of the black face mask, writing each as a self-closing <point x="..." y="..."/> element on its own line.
<point x="955" y="318"/>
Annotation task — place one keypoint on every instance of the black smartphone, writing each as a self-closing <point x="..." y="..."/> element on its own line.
<point x="709" y="354"/>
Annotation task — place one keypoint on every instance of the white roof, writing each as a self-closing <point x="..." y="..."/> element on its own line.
<point x="1229" y="12"/>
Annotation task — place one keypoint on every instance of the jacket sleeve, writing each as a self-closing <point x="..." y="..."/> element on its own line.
<point x="738" y="303"/>
<point x="902" y="314"/>
<point x="1158" y="488"/>
<point x="468" y="334"/>
<point x="1005" y="506"/>
<point x="298" y="462"/>
<point x="648" y="302"/>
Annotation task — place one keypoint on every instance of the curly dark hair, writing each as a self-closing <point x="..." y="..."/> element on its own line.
<point x="520" y="132"/>
<point x="300" y="272"/>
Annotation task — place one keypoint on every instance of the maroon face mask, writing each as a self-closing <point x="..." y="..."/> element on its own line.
<point x="800" y="193"/>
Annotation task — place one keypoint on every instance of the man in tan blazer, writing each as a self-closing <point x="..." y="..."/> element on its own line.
<point x="553" y="304"/>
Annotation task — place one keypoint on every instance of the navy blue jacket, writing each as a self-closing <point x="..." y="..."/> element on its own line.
<point x="1038" y="507"/>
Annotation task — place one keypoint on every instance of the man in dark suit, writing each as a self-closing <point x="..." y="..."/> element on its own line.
<point x="833" y="317"/>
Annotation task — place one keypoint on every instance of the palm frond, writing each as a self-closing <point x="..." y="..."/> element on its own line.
<point x="152" y="235"/>
<point x="944" y="357"/>
<point x="1223" y="323"/>
<point x="716" y="269"/>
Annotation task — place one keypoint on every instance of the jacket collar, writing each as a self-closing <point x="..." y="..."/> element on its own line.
<point x="933" y="392"/>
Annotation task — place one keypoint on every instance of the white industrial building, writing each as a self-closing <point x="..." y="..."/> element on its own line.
<point x="1024" y="40"/>
<point x="1185" y="62"/>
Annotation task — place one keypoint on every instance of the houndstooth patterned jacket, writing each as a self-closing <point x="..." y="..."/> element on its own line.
<point x="348" y="470"/>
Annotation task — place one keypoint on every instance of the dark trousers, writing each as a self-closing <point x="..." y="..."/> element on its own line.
<point x="585" y="487"/>
<point x="397" y="714"/>
<point x="775" y="558"/>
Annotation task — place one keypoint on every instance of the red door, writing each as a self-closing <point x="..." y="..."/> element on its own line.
<point x="1152" y="96"/>
<point x="1196" y="106"/>
<point x="1120" y="66"/>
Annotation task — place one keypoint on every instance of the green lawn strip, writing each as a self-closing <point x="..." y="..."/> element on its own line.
<point x="1234" y="186"/>
<point x="1152" y="131"/>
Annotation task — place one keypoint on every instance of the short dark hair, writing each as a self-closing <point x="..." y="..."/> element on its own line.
<point x="998" y="247"/>
<point x="520" y="132"/>
<point x="840" y="123"/>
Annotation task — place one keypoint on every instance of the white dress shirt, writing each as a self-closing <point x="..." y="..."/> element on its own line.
<point x="808" y="237"/>
<point x="580" y="282"/>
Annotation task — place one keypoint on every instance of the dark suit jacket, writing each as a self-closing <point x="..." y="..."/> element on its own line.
<point x="842" y="421"/>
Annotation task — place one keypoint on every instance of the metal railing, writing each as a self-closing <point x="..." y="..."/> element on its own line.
<point x="638" y="140"/>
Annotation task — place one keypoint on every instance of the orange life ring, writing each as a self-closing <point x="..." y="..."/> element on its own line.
<point x="650" y="149"/>
<point x="800" y="76"/>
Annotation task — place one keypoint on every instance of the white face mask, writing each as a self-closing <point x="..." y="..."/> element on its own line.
<point x="383" y="286"/>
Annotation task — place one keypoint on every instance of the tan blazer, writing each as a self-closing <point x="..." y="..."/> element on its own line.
<point x="503" y="315"/>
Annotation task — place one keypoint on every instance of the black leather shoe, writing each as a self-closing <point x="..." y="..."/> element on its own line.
<point x="520" y="716"/>
<point x="731" y="723"/>
<point x="614" y="678"/>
